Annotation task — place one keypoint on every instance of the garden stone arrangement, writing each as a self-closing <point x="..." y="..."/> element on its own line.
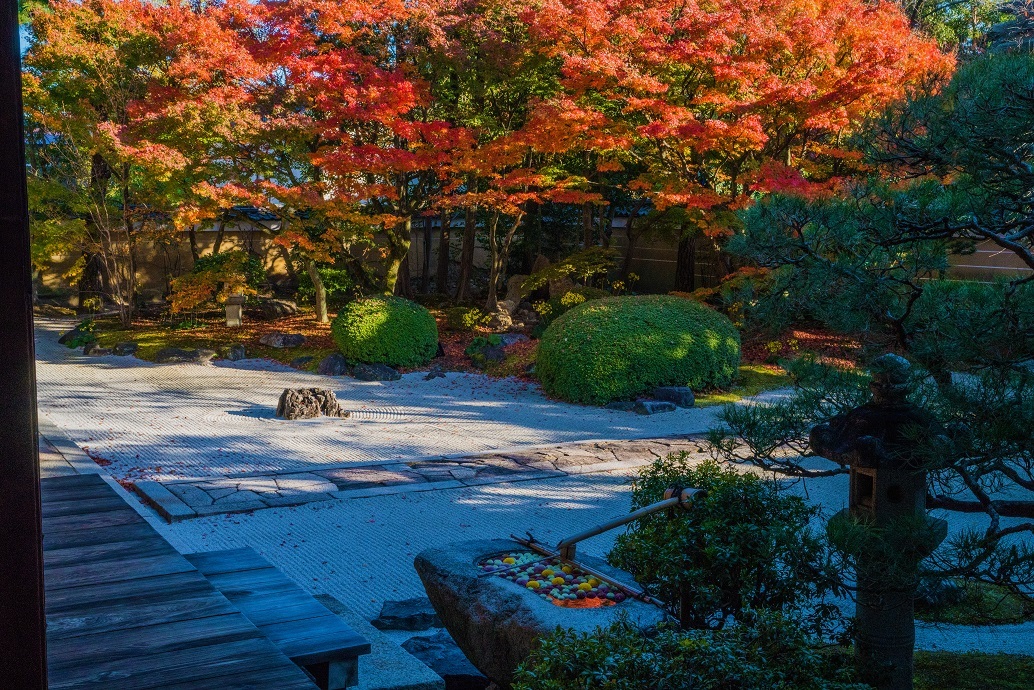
<point x="496" y="622"/>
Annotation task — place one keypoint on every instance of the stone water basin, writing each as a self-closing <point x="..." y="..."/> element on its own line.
<point x="496" y="621"/>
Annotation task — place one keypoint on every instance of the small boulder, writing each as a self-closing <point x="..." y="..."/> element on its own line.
<point x="440" y="654"/>
<point x="682" y="396"/>
<point x="435" y="373"/>
<point x="560" y="287"/>
<point x="621" y="405"/>
<point x="95" y="350"/>
<point x="409" y="614"/>
<point x="307" y="403"/>
<point x="301" y="362"/>
<point x="508" y="339"/>
<point x="653" y="407"/>
<point x="333" y="365"/>
<point x="500" y="320"/>
<point x="234" y="353"/>
<point x="270" y="309"/>
<point x="176" y="355"/>
<point x="125" y="349"/>
<point x="513" y="288"/>
<point x="508" y="306"/>
<point x="375" y="372"/>
<point x="493" y="353"/>
<point x="281" y="340"/>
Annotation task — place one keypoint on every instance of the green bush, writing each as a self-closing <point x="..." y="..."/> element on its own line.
<point x="386" y="330"/>
<point x="744" y="546"/>
<point x="552" y="309"/>
<point x="772" y="653"/>
<point x="618" y="347"/>
<point x="465" y="318"/>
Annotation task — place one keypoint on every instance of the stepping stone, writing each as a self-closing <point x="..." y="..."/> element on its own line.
<point x="441" y="655"/>
<point x="409" y="614"/>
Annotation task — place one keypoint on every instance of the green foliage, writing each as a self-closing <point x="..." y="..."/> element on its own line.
<point x="618" y="347"/>
<point x="550" y="310"/>
<point x="772" y="653"/>
<point x="978" y="603"/>
<point x="465" y="318"/>
<point x="236" y="263"/>
<point x="743" y="547"/>
<point x="339" y="284"/>
<point x="481" y="342"/>
<point x="386" y="330"/>
<point x="582" y="265"/>
<point x="85" y="333"/>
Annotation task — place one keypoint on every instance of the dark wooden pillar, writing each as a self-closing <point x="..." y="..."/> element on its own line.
<point x="23" y="656"/>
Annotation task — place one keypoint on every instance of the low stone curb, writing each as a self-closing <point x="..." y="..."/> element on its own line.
<point x="185" y="499"/>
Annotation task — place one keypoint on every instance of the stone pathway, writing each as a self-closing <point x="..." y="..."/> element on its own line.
<point x="189" y="499"/>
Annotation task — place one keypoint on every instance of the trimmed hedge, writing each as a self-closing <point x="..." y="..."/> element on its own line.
<point x="618" y="347"/>
<point x="386" y="330"/>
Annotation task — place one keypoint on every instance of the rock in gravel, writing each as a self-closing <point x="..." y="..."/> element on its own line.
<point x="375" y="372"/>
<point x="439" y="653"/>
<point x="682" y="396"/>
<point x="621" y="405"/>
<point x="409" y="614"/>
<point x="280" y="340"/>
<point x="95" y="350"/>
<point x="653" y="407"/>
<point x="234" y="353"/>
<point x="307" y="403"/>
<point x="436" y="372"/>
<point x="496" y="622"/>
<point x="508" y="339"/>
<point x="333" y="365"/>
<point x="125" y="349"/>
<point x="175" y="355"/>
<point x="301" y="362"/>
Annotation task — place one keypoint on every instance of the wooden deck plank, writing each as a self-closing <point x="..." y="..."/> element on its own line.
<point x="126" y="611"/>
<point x="213" y="563"/>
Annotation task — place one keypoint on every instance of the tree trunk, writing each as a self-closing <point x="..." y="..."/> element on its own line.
<point x="195" y="253"/>
<point x="441" y="276"/>
<point x="685" y="264"/>
<point x="500" y="257"/>
<point x="425" y="271"/>
<point x="320" y="291"/>
<point x="398" y="251"/>
<point x="587" y="234"/>
<point x="631" y="240"/>
<point x="404" y="283"/>
<point x="463" y="293"/>
<point x="217" y="247"/>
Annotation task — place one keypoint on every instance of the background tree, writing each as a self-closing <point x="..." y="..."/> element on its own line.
<point x="956" y="170"/>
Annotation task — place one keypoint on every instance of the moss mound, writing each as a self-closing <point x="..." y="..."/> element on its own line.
<point x="386" y="330"/>
<point x="618" y="347"/>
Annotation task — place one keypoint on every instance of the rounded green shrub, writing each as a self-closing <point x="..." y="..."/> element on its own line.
<point x="386" y="330"/>
<point x="618" y="347"/>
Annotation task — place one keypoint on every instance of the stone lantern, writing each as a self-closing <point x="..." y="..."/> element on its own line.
<point x="235" y="310"/>
<point x="885" y="526"/>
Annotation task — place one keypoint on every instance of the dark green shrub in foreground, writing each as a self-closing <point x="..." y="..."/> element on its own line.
<point x="771" y="653"/>
<point x="744" y="547"/>
<point x="386" y="330"/>
<point x="618" y="347"/>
